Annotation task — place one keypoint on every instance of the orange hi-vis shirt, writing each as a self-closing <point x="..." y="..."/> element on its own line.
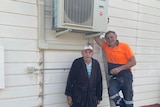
<point x="119" y="54"/>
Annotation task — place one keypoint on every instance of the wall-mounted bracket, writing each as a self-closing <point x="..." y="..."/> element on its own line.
<point x="62" y="32"/>
<point x="32" y="70"/>
<point x="93" y="35"/>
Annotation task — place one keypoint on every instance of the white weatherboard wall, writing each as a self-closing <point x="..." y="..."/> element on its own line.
<point x="2" y="81"/>
<point x="135" y="21"/>
<point x="18" y="36"/>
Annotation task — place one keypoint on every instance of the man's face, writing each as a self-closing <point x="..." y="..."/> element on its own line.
<point x="87" y="54"/>
<point x="111" y="39"/>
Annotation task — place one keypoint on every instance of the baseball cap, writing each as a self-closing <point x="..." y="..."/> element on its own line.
<point x="88" y="47"/>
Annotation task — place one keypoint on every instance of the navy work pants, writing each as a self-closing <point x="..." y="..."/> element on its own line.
<point x="124" y="84"/>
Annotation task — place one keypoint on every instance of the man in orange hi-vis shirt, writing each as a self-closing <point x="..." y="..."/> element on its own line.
<point x="120" y="59"/>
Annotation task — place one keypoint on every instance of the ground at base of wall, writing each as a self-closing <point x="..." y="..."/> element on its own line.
<point x="154" y="105"/>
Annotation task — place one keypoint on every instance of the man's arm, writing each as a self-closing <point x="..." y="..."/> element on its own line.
<point x="98" y="40"/>
<point x="69" y="85"/>
<point x="99" y="86"/>
<point x="131" y="63"/>
<point x="70" y="79"/>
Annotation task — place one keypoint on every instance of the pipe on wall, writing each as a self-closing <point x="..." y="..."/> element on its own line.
<point x="42" y="45"/>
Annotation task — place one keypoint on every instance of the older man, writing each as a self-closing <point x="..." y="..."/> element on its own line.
<point x="84" y="84"/>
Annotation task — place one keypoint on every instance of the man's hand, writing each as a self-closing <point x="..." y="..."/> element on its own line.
<point x="69" y="100"/>
<point x="115" y="70"/>
<point x="98" y="101"/>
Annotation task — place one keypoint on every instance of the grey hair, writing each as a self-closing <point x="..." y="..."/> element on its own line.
<point x="110" y="32"/>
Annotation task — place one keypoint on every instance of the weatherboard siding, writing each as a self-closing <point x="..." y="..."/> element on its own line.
<point x="18" y="36"/>
<point x="136" y="22"/>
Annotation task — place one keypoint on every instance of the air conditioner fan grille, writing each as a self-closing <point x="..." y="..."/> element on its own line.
<point x="78" y="12"/>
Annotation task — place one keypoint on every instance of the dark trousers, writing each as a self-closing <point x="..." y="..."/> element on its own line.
<point x="124" y="84"/>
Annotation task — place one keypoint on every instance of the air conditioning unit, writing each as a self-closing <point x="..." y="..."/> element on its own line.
<point x="81" y="16"/>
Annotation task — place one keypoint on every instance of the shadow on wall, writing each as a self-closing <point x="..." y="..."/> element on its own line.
<point x="154" y="105"/>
